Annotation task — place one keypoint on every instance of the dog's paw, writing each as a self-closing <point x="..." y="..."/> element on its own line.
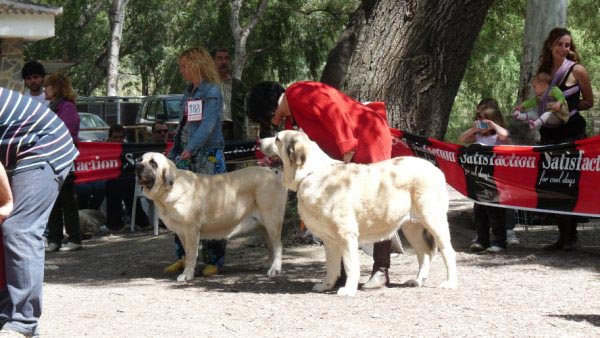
<point x="348" y="292"/>
<point x="185" y="277"/>
<point x="413" y="283"/>
<point x="449" y="284"/>
<point x="322" y="287"/>
<point x="274" y="272"/>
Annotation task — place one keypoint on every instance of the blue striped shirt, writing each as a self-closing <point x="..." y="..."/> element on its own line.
<point x="32" y="135"/>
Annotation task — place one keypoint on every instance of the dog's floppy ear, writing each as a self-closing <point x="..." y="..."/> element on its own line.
<point x="296" y="151"/>
<point x="168" y="177"/>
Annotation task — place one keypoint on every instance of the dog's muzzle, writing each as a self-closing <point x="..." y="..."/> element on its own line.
<point x="144" y="177"/>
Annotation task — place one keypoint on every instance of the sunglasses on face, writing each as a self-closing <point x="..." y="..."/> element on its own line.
<point x="161" y="131"/>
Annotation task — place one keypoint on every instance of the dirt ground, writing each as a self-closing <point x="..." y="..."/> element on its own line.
<point x="115" y="287"/>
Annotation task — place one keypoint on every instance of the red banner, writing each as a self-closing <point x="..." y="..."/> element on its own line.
<point x="107" y="160"/>
<point x="557" y="178"/>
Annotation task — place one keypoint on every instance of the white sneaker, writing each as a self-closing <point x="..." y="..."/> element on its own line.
<point x="494" y="249"/>
<point x="51" y="247"/>
<point x="70" y="246"/>
<point x="511" y="238"/>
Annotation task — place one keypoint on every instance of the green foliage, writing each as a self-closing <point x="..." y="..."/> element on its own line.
<point x="494" y="66"/>
<point x="583" y="20"/>
<point x="290" y="43"/>
<point x="76" y="40"/>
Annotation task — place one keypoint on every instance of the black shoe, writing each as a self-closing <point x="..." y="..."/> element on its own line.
<point x="554" y="247"/>
<point x="570" y="246"/>
<point x="378" y="280"/>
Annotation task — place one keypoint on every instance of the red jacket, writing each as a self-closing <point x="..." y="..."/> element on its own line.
<point x="339" y="124"/>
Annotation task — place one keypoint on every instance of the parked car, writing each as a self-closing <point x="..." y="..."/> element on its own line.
<point x="92" y="128"/>
<point x="160" y="107"/>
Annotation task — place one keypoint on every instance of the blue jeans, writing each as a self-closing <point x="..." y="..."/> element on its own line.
<point x="34" y="192"/>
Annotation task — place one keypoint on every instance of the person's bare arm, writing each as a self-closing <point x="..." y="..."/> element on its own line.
<point x="583" y="80"/>
<point x="468" y="136"/>
<point x="6" y="198"/>
<point x="500" y="131"/>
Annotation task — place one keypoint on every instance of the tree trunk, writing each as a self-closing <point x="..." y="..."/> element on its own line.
<point x="339" y="57"/>
<point x="412" y="55"/>
<point x="240" y="34"/>
<point x="541" y="16"/>
<point x="117" y="15"/>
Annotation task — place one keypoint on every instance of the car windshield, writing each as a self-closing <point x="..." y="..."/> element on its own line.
<point x="91" y="121"/>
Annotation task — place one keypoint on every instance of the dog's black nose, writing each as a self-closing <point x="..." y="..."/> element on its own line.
<point x="139" y="168"/>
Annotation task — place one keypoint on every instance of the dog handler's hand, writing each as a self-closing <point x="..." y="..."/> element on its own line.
<point x="348" y="156"/>
<point x="6" y="197"/>
<point x="186" y="155"/>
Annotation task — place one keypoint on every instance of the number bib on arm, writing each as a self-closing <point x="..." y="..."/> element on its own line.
<point x="194" y="109"/>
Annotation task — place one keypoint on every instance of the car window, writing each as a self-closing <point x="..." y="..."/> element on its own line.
<point x="173" y="108"/>
<point x="154" y="110"/>
<point x="91" y="121"/>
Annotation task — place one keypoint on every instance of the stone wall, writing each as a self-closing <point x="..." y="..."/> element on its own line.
<point x="11" y="62"/>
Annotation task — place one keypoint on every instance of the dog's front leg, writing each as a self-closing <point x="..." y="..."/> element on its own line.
<point x="332" y="265"/>
<point x="190" y="245"/>
<point x="351" y="266"/>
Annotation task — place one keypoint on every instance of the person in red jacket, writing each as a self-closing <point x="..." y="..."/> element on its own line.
<point x="344" y="128"/>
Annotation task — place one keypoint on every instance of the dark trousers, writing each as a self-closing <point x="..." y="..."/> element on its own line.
<point x="567" y="228"/>
<point x="381" y="254"/>
<point x="65" y="213"/>
<point x="511" y="218"/>
<point x="487" y="217"/>
<point x="119" y="191"/>
<point x="90" y="194"/>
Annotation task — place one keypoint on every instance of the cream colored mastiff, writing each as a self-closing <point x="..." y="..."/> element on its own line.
<point x="344" y="204"/>
<point x="198" y="206"/>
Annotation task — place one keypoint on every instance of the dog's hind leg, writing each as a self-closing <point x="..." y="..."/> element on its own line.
<point x="436" y="222"/>
<point x="424" y="248"/>
<point x="332" y="265"/>
<point x="449" y="256"/>
<point x="190" y="245"/>
<point x="273" y="237"/>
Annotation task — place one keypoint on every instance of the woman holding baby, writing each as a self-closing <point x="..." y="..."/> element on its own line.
<point x="559" y="58"/>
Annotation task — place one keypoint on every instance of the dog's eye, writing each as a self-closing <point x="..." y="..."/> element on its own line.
<point x="153" y="164"/>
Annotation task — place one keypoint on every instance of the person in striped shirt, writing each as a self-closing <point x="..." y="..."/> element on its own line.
<point x="37" y="153"/>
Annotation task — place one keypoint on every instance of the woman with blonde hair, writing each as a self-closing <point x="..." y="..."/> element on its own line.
<point x="65" y="212"/>
<point x="198" y="144"/>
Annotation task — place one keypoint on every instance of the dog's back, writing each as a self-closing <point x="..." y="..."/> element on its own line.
<point x="235" y="202"/>
<point x="376" y="198"/>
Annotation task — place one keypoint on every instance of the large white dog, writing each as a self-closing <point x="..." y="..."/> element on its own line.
<point x="214" y="207"/>
<point x="344" y="204"/>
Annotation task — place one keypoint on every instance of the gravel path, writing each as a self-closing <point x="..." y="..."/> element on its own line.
<point x="115" y="287"/>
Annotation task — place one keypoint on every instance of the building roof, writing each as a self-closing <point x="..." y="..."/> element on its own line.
<point x="27" y="20"/>
<point x="27" y="7"/>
